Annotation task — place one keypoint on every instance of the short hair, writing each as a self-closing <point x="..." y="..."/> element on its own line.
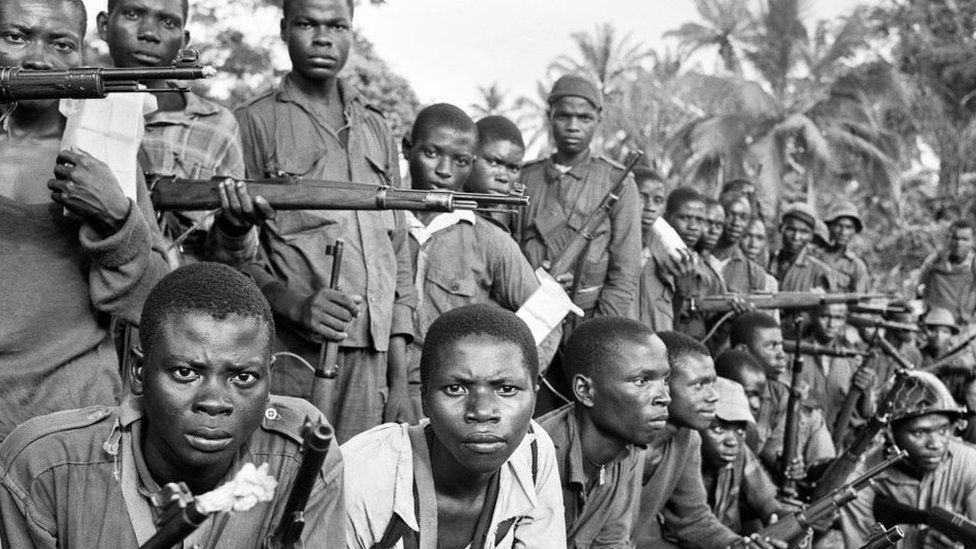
<point x="286" y="6"/>
<point x="482" y="319"/>
<point x="728" y="199"/>
<point x="78" y="5"/>
<point x="744" y="327"/>
<point x="737" y="186"/>
<point x="112" y="4"/>
<point x="498" y="128"/>
<point x="961" y="224"/>
<point x="643" y="173"/>
<point x="600" y="339"/>
<point x="442" y="115"/>
<point x="211" y="288"/>
<point x="730" y="363"/>
<point x="711" y="203"/>
<point x="679" y="197"/>
<point x="679" y="346"/>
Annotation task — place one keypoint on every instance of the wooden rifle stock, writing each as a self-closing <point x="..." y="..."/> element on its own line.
<point x="794" y="526"/>
<point x="293" y="193"/>
<point x="315" y="446"/>
<point x="790" y="301"/>
<point x="816" y="349"/>
<point x="790" y="431"/>
<point x="862" y="322"/>
<point x="323" y="384"/>
<point x="577" y="245"/>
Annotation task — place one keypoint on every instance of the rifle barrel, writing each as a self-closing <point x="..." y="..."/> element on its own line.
<point x="18" y="84"/>
<point x="315" y="447"/>
<point x="793" y="301"/>
<point x="815" y="349"/>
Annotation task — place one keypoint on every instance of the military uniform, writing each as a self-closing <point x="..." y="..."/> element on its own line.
<point x="803" y="274"/>
<point x="561" y="201"/>
<point x="850" y="271"/>
<point x="78" y="479"/>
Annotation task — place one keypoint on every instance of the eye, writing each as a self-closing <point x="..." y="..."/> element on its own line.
<point x="130" y="14"/>
<point x="454" y="390"/>
<point x="64" y="46"/>
<point x="15" y="38"/>
<point x="245" y="379"/>
<point x="184" y="374"/>
<point x="339" y="26"/>
<point x="462" y="161"/>
<point x="170" y="23"/>
<point x="508" y="390"/>
<point x="303" y="24"/>
<point x="429" y="153"/>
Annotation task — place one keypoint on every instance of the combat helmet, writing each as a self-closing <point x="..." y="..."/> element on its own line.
<point x="922" y="393"/>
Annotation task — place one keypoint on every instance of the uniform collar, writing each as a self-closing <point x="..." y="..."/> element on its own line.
<point x="575" y="467"/>
<point x="422" y="233"/>
<point x="288" y="92"/>
<point x="577" y="171"/>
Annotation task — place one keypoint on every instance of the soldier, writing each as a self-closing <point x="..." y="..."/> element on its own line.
<point x="740" y="273"/>
<point x="457" y="258"/>
<point x="480" y="472"/>
<point x="618" y="372"/>
<point x="940" y="469"/>
<point x="316" y="125"/>
<point x="200" y="410"/>
<point x="844" y="221"/>
<point x="940" y="329"/>
<point x="672" y="478"/>
<point x="75" y="250"/>
<point x="948" y="276"/>
<point x="188" y="136"/>
<point x="566" y="188"/>
<point x="498" y="162"/>
<point x="654" y="303"/>
<point x="793" y="265"/>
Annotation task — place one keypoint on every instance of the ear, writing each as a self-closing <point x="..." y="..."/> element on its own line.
<point x="405" y="146"/>
<point x="583" y="390"/>
<point x="742" y="347"/>
<point x="137" y="370"/>
<point x="101" y="23"/>
<point x="186" y="39"/>
<point x="282" y="27"/>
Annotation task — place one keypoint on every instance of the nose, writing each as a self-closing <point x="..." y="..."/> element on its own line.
<point x="322" y="38"/>
<point x="730" y="440"/>
<point x="711" y="396"/>
<point x="212" y="401"/>
<point x="662" y="396"/>
<point x="444" y="168"/>
<point x="482" y="407"/>
<point x="148" y="31"/>
<point x="35" y="58"/>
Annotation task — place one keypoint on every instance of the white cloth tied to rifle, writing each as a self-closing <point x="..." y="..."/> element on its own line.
<point x="249" y="487"/>
<point x="546" y="307"/>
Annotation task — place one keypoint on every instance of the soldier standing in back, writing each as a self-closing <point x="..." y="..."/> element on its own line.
<point x="844" y="221"/>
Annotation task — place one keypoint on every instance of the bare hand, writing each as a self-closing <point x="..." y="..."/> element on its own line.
<point x="935" y="539"/>
<point x="797" y="470"/>
<point x="329" y="312"/>
<point x="398" y="408"/>
<point x="565" y="280"/>
<point x="740" y="305"/>
<point x="238" y="211"/>
<point x="87" y="188"/>
<point x="864" y="379"/>
<point x="762" y="542"/>
<point x="685" y="265"/>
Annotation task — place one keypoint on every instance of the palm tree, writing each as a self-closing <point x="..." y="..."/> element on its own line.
<point x="608" y="61"/>
<point x="493" y="102"/>
<point x="728" y="24"/>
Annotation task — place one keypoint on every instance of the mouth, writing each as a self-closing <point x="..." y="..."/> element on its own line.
<point x="728" y="457"/>
<point x="209" y="441"/>
<point x="147" y="58"/>
<point x="324" y="61"/>
<point x="709" y="413"/>
<point x="484" y="443"/>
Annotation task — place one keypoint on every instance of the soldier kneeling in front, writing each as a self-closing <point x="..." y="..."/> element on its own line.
<point x="199" y="411"/>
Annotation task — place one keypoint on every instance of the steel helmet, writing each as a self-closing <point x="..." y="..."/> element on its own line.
<point x="922" y="393"/>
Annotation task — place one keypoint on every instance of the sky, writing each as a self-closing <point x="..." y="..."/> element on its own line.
<point x="448" y="48"/>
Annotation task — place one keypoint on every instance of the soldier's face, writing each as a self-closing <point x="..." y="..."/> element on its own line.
<point x="689" y="221"/>
<point x="496" y="168"/>
<point x="318" y="34"/>
<point x="573" y="121"/>
<point x="961" y="243"/>
<point x="714" y="224"/>
<point x="721" y="442"/>
<point x="737" y="216"/>
<point x="767" y="347"/>
<point x="754" y="384"/>
<point x="754" y="240"/>
<point x="925" y="438"/>
<point x="842" y="230"/>
<point x="693" y="393"/>
<point x="144" y="33"/>
<point x="829" y="322"/>
<point x="442" y="158"/>
<point x="479" y="399"/>
<point x="629" y="397"/>
<point x="938" y="338"/>
<point x="652" y="199"/>
<point x="40" y="35"/>
<point x="796" y="235"/>
<point x="205" y="386"/>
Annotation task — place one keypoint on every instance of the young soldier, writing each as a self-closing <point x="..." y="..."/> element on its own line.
<point x="458" y="258"/>
<point x="948" y="277"/>
<point x="498" y="162"/>
<point x="736" y="484"/>
<point x="741" y="367"/>
<point x="793" y="266"/>
<point x="315" y="125"/>
<point x="480" y="472"/>
<point x="672" y="469"/>
<point x="618" y="372"/>
<point x="653" y="304"/>
<point x="940" y="328"/>
<point x="760" y="335"/>
<point x="940" y="469"/>
<point x="201" y="410"/>
<point x="566" y="188"/>
<point x="844" y="221"/>
<point x="188" y="136"/>
<point x="62" y="274"/>
<point x="741" y="274"/>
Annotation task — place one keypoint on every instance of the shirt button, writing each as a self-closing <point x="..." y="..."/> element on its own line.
<point x="271" y="414"/>
<point x="455" y="287"/>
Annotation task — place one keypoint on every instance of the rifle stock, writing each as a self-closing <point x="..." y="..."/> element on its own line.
<point x="816" y="349"/>
<point x="793" y="526"/>
<point x="315" y="447"/>
<point x="790" y="301"/>
<point x="574" y="249"/>
<point x="292" y="193"/>
<point x="18" y="84"/>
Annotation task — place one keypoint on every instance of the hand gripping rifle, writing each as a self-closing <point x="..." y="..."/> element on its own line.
<point x="323" y="384"/>
<point x="293" y="193"/>
<point x="789" y="301"/>
<point x="882" y="539"/>
<point x="288" y="533"/>
<point x="794" y="526"/>
<point x="18" y="84"/>
<point x="179" y="518"/>
<point x="791" y="429"/>
<point x="954" y="525"/>
<point x="839" y="469"/>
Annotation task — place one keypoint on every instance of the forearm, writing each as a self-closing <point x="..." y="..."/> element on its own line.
<point x="396" y="371"/>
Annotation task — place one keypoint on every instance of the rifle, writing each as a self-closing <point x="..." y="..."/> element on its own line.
<point x="790" y="430"/>
<point x="954" y="525"/>
<point x="18" y="84"/>
<point x="816" y="349"/>
<point x="294" y="193"/>
<point x="962" y="346"/>
<point x="315" y="446"/>
<point x="179" y="518"/>
<point x="793" y="526"/>
<point x="882" y="539"/>
<point x="581" y="239"/>
<point x="790" y="301"/>
<point x="844" y="465"/>
<point x="328" y="367"/>
<point x="862" y="322"/>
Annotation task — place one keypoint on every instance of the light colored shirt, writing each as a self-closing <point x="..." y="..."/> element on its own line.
<point x="950" y="285"/>
<point x="383" y="465"/>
